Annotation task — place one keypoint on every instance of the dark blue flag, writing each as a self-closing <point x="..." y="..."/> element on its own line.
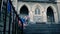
<point x="8" y="7"/>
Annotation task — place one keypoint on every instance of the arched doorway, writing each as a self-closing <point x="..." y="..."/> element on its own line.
<point x="24" y="11"/>
<point x="50" y="15"/>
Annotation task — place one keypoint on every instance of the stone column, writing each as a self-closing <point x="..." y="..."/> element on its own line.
<point x="58" y="5"/>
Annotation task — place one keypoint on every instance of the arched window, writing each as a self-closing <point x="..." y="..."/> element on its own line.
<point x="37" y="11"/>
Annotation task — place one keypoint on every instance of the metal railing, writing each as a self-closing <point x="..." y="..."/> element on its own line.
<point x="9" y="21"/>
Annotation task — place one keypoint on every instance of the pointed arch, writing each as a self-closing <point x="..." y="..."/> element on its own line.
<point x="54" y="11"/>
<point x="23" y="4"/>
<point x="24" y="10"/>
<point x="37" y="5"/>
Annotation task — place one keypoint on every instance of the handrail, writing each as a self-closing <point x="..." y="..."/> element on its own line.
<point x="15" y="12"/>
<point x="9" y="16"/>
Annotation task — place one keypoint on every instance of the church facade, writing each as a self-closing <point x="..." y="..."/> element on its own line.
<point x="39" y="10"/>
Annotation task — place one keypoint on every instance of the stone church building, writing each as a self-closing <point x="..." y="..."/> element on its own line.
<point x="39" y="10"/>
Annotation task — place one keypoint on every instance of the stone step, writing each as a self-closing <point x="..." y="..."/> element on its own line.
<point x="39" y="27"/>
<point x="44" y="33"/>
<point x="52" y="25"/>
<point x="42" y="29"/>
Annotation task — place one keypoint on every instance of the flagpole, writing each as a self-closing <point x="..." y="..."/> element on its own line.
<point x="1" y="5"/>
<point x="9" y="23"/>
<point x="4" y="30"/>
<point x="1" y="8"/>
<point x="9" y="16"/>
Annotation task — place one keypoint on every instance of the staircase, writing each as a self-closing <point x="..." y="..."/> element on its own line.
<point x="42" y="29"/>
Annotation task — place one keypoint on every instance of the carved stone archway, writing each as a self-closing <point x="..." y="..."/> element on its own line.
<point x="40" y="16"/>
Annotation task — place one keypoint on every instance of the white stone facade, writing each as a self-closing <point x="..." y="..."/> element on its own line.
<point x="43" y="9"/>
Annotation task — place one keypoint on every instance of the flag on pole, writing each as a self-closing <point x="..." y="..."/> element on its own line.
<point x="8" y="7"/>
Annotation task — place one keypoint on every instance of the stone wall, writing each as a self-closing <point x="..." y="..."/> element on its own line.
<point x="43" y="9"/>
